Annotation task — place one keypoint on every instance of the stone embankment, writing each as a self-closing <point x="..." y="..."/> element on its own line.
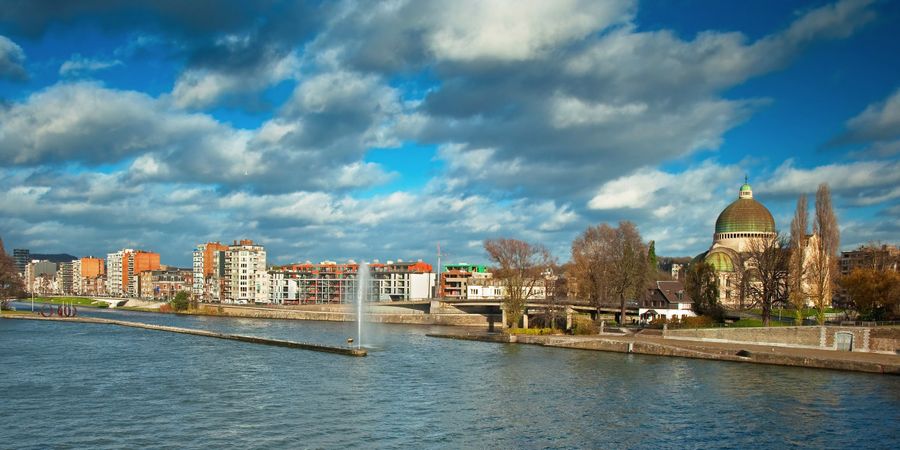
<point x="719" y="351"/>
<point x="347" y="351"/>
<point x="345" y="313"/>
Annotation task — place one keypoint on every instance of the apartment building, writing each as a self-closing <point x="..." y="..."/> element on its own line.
<point x="455" y="279"/>
<point x="246" y="278"/>
<point x="164" y="284"/>
<point x="64" y="278"/>
<point x="40" y="277"/>
<point x="208" y="271"/>
<point x="85" y="271"/>
<point x="330" y="282"/>
<point x="399" y="281"/>
<point x="122" y="267"/>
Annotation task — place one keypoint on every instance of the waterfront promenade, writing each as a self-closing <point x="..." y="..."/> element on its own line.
<point x="721" y="351"/>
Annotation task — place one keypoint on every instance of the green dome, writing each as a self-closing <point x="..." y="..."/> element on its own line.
<point x="745" y="215"/>
<point x="720" y="261"/>
<point x="746" y="188"/>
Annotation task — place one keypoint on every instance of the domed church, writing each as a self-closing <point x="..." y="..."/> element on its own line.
<point x="740" y="222"/>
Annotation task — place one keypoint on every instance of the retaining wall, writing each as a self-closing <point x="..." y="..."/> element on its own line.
<point x="884" y="341"/>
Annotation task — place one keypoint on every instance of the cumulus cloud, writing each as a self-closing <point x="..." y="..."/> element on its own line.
<point x="615" y="101"/>
<point x="87" y="123"/>
<point x="200" y="87"/>
<point x="878" y="125"/>
<point x="508" y="30"/>
<point x="678" y="209"/>
<point x="12" y="60"/>
<point x="77" y="65"/>
<point x="861" y="182"/>
<point x="164" y="143"/>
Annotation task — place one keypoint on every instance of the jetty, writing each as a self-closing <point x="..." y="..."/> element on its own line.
<point x="346" y="351"/>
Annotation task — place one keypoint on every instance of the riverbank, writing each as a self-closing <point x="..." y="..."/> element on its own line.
<point x="411" y="314"/>
<point x="77" y="301"/>
<point x="719" y="351"/>
<point x="346" y="351"/>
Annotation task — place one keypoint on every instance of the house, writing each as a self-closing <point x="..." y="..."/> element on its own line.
<point x="666" y="299"/>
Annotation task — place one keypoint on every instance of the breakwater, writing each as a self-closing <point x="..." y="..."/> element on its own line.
<point x="347" y="351"/>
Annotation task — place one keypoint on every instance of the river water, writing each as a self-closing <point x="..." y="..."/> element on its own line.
<point x="69" y="385"/>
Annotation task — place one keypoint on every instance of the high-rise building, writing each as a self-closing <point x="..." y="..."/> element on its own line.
<point x="124" y="265"/>
<point x="246" y="279"/>
<point x="40" y="277"/>
<point x="64" y="278"/>
<point x="85" y="271"/>
<point x="22" y="256"/>
<point x="208" y="269"/>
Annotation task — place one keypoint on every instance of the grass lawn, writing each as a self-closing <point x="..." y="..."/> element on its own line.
<point x="18" y="312"/>
<point x="790" y="312"/>
<point x="747" y="323"/>
<point x="77" y="301"/>
<point x="138" y="308"/>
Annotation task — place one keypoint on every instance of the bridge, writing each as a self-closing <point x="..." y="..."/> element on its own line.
<point x="568" y="307"/>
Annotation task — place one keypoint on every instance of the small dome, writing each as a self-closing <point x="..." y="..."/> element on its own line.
<point x="720" y="261"/>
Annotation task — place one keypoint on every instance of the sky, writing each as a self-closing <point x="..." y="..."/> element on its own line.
<point x="378" y="130"/>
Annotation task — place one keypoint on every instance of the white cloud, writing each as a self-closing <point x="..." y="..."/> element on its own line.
<point x="514" y="30"/>
<point x="78" y="64"/>
<point x="849" y="177"/>
<point x="12" y="60"/>
<point x="204" y="87"/>
<point x="879" y="123"/>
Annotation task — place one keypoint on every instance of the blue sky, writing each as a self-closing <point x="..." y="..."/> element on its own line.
<point x="367" y="130"/>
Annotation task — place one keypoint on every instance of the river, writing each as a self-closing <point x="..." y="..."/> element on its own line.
<point x="73" y="385"/>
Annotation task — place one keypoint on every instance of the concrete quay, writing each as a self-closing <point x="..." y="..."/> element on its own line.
<point x="347" y="351"/>
<point x="720" y="351"/>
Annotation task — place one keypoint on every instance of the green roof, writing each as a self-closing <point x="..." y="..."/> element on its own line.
<point x="745" y="215"/>
<point x="720" y="261"/>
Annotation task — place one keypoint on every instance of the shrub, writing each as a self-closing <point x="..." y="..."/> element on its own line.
<point x="181" y="301"/>
<point x="537" y="331"/>
<point x="584" y="325"/>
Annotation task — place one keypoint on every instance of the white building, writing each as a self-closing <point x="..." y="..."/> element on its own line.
<point x="77" y="287"/>
<point x="246" y="278"/>
<point x="667" y="300"/>
<point x="493" y="289"/>
<point x="114" y="269"/>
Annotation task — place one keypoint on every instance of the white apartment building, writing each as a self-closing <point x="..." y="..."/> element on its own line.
<point x="246" y="278"/>
<point x="77" y="287"/>
<point x="114" y="272"/>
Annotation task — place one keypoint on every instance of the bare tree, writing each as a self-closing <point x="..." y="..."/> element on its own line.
<point x="797" y="283"/>
<point x="521" y="267"/>
<point x="822" y="254"/>
<point x="611" y="264"/>
<point x="702" y="287"/>
<point x="10" y="282"/>
<point x="768" y="268"/>
<point x="557" y="287"/>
